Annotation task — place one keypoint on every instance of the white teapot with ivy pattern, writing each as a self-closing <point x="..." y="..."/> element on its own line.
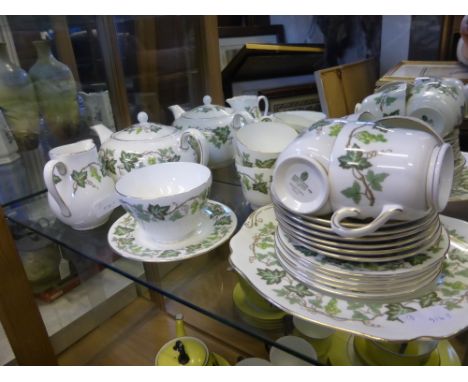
<point x="145" y="144"/>
<point x="215" y="122"/>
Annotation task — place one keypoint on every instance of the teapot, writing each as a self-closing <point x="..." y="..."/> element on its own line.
<point x="215" y="123"/>
<point x="184" y="350"/>
<point x="147" y="143"/>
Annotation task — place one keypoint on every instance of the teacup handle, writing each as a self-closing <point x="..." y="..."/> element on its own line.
<point x="386" y="214"/>
<point x="50" y="183"/>
<point x="201" y="142"/>
<point x="265" y="101"/>
<point x="241" y="118"/>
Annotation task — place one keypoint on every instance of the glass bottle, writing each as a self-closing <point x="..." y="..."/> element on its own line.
<point x="18" y="102"/>
<point x="57" y="95"/>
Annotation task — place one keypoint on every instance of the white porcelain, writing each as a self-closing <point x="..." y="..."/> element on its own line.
<point x="388" y="100"/>
<point x="263" y="141"/>
<point x="387" y="173"/>
<point x="145" y="144"/>
<point x="436" y="103"/>
<point x="250" y="104"/>
<point x="255" y="183"/>
<point x="215" y="225"/>
<point x="80" y="194"/>
<point x="253" y="361"/>
<point x="281" y="358"/>
<point x="397" y="168"/>
<point x="215" y="123"/>
<point x="165" y="199"/>
<point x="8" y="147"/>
<point x="312" y="147"/>
<point x="299" y="120"/>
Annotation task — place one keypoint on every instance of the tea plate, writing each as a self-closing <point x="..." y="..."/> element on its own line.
<point x="216" y="226"/>
<point x="440" y="313"/>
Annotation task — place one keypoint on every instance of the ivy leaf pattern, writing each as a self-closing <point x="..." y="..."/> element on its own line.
<point x="271" y="276"/>
<point x="366" y="137"/>
<point x="246" y="160"/>
<point x="394" y="311"/>
<point x="94" y="173"/>
<point x="428" y="300"/>
<point x="375" y="180"/>
<point x="354" y="158"/>
<point x="122" y="230"/>
<point x="418" y="259"/>
<point x="169" y="253"/>
<point x="158" y="212"/>
<point x="176" y="216"/>
<point x="219" y="136"/>
<point x="151" y="160"/>
<point x="300" y="290"/>
<point x="353" y="192"/>
<point x="332" y="307"/>
<point x="260" y="185"/>
<point x="269" y="163"/>
<point x="335" y="129"/>
<point x="56" y="179"/>
<point x="108" y="162"/>
<point x="246" y="182"/>
<point x="80" y="177"/>
<point x="129" y="160"/>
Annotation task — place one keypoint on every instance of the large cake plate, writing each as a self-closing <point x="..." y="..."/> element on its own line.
<point x="440" y="313"/>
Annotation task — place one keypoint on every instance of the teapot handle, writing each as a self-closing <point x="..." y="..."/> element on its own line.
<point x="241" y="118"/>
<point x="265" y="101"/>
<point x="50" y="183"/>
<point x="202" y="147"/>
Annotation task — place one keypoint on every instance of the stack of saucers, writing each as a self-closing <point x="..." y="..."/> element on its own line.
<point x="254" y="310"/>
<point x="453" y="139"/>
<point x="397" y="260"/>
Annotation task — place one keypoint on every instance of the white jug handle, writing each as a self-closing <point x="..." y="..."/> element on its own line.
<point x="265" y="101"/>
<point x="50" y="183"/>
<point x="201" y="142"/>
<point x="241" y="118"/>
<point x="386" y="214"/>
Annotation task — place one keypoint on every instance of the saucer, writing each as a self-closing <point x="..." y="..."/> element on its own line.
<point x="217" y="224"/>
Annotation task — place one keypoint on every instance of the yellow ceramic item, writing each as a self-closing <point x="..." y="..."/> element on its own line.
<point x="187" y="351"/>
<point x="342" y="352"/>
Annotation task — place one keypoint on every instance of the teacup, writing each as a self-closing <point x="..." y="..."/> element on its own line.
<point x="314" y="145"/>
<point x="255" y="183"/>
<point x="436" y="103"/>
<point x="279" y="357"/>
<point x="250" y="104"/>
<point x="253" y="361"/>
<point x="165" y="199"/>
<point x="389" y="100"/>
<point x="261" y="142"/>
<point x="299" y="120"/>
<point x="380" y="170"/>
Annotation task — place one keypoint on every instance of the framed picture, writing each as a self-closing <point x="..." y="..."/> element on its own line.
<point x="409" y="70"/>
<point x="298" y="97"/>
<point x="232" y="39"/>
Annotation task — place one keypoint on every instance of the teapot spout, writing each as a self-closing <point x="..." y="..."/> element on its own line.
<point x="177" y="111"/>
<point x="102" y="131"/>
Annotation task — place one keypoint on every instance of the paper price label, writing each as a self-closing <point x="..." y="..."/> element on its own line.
<point x="433" y="315"/>
<point x="105" y="206"/>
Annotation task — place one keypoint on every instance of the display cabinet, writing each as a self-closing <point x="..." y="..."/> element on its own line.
<point x="92" y="306"/>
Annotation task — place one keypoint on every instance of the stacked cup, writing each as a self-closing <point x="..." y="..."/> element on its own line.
<point x="257" y="146"/>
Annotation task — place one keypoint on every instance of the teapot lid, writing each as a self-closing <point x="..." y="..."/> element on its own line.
<point x="207" y="110"/>
<point x="144" y="130"/>
<point x="183" y="351"/>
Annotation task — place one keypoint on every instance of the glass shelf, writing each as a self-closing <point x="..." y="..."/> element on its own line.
<point x="204" y="283"/>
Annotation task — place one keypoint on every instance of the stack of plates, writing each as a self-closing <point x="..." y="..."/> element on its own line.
<point x="251" y="311"/>
<point x="454" y="140"/>
<point x="399" y="259"/>
<point x="394" y="241"/>
<point x="363" y="280"/>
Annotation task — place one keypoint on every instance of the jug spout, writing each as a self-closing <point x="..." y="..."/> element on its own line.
<point x="177" y="111"/>
<point x="103" y="132"/>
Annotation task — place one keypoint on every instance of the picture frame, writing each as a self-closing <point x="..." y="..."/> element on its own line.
<point x="409" y="70"/>
<point x="232" y="39"/>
